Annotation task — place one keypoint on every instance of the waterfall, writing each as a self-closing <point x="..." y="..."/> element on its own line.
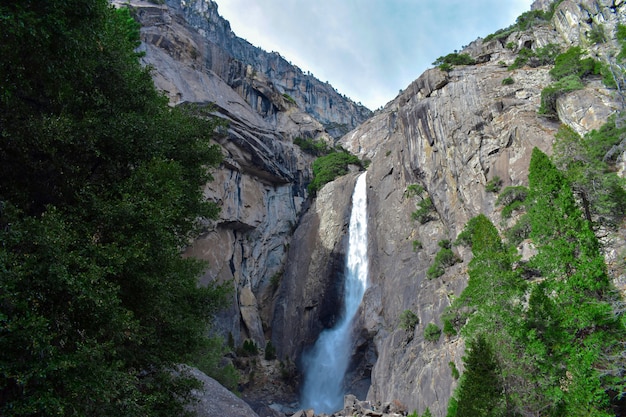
<point x="326" y="364"/>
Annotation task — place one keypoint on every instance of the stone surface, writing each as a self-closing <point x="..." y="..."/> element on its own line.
<point x="213" y="400"/>
<point x="448" y="132"/>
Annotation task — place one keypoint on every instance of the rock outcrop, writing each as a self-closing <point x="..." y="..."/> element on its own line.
<point x="451" y="133"/>
<point x="261" y="185"/>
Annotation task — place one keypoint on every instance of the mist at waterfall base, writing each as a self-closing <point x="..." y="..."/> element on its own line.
<point x="325" y="365"/>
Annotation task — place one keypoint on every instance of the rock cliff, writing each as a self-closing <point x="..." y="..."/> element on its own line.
<point x="451" y="133"/>
<point x="261" y="185"/>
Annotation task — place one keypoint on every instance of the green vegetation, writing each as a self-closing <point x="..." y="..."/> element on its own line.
<point x="453" y="369"/>
<point x="589" y="164"/>
<point x="494" y="185"/>
<point x="100" y="188"/>
<point x="408" y="320"/>
<point x="444" y="258"/>
<point x="414" y="190"/>
<point x="432" y="332"/>
<point x="289" y="98"/>
<point x="597" y="34"/>
<point x="328" y="167"/>
<point x="417" y="245"/>
<point x="568" y="73"/>
<point x="425" y="211"/>
<point x="508" y="81"/>
<point x="512" y="198"/>
<point x="448" y="328"/>
<point x="542" y="56"/>
<point x="445" y="63"/>
<point x="559" y="353"/>
<point x="525" y="21"/>
<point x="270" y="351"/>
<point x="312" y="146"/>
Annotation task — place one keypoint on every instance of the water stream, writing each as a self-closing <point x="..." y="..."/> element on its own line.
<point x="325" y="365"/>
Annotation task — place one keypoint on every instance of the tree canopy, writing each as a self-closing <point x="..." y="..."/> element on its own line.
<point x="100" y="190"/>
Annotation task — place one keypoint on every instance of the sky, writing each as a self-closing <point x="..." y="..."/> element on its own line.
<point x="368" y="50"/>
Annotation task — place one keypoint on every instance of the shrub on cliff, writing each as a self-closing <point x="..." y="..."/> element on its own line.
<point x="327" y="168"/>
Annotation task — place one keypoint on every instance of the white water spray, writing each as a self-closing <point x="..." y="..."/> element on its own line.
<point x="326" y="364"/>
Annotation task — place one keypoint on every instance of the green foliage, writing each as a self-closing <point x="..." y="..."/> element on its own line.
<point x="621" y="38"/>
<point x="589" y="164"/>
<point x="446" y="62"/>
<point x="312" y="146"/>
<point x="327" y="168"/>
<point x="408" y="320"/>
<point x="455" y="372"/>
<point x="444" y="258"/>
<point x="414" y="190"/>
<point x="210" y="360"/>
<point x="596" y="35"/>
<point x="289" y="98"/>
<point x="275" y="280"/>
<point x="100" y="188"/>
<point x="432" y="332"/>
<point x="518" y="232"/>
<point x="448" y="328"/>
<point x="494" y="185"/>
<point x="542" y="56"/>
<point x="568" y="72"/>
<point x="508" y="81"/>
<point x="249" y="348"/>
<point x="480" y="392"/>
<point x="425" y="211"/>
<point x="524" y="22"/>
<point x="558" y="352"/>
<point x="417" y="245"/>
<point x="512" y="198"/>
<point x="270" y="351"/>
<point x="571" y="63"/>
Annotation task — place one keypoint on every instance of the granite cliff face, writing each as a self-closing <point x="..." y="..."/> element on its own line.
<point x="448" y="132"/>
<point x="261" y="186"/>
<point x="451" y="132"/>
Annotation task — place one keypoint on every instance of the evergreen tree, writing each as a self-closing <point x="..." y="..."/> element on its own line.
<point x="480" y="392"/>
<point x="100" y="189"/>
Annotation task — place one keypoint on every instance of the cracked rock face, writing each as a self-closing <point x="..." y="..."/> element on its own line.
<point x="261" y="185"/>
<point x="451" y="133"/>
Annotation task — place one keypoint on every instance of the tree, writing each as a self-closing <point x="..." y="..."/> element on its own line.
<point x="100" y="189"/>
<point x="480" y="392"/>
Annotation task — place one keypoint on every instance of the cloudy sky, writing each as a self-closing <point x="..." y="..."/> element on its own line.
<point x="367" y="49"/>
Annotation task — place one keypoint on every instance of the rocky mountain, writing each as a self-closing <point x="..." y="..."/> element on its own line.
<point x="449" y="133"/>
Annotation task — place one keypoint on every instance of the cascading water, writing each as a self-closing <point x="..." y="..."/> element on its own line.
<point x="326" y="364"/>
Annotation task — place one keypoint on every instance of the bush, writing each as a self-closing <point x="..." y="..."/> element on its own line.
<point x="408" y="320"/>
<point x="448" y="328"/>
<point x="508" y="81"/>
<point x="249" y="348"/>
<point x="424" y="212"/>
<point x="494" y="185"/>
<point x="327" y="168"/>
<point x="312" y="146"/>
<point x="446" y="62"/>
<point x="432" y="332"/>
<point x="454" y="370"/>
<point x="444" y="258"/>
<point x="417" y="245"/>
<point x="512" y="198"/>
<point x="270" y="351"/>
<point x="414" y="190"/>
<point x="289" y="98"/>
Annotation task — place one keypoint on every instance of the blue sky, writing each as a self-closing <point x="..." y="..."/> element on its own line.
<point x="367" y="49"/>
